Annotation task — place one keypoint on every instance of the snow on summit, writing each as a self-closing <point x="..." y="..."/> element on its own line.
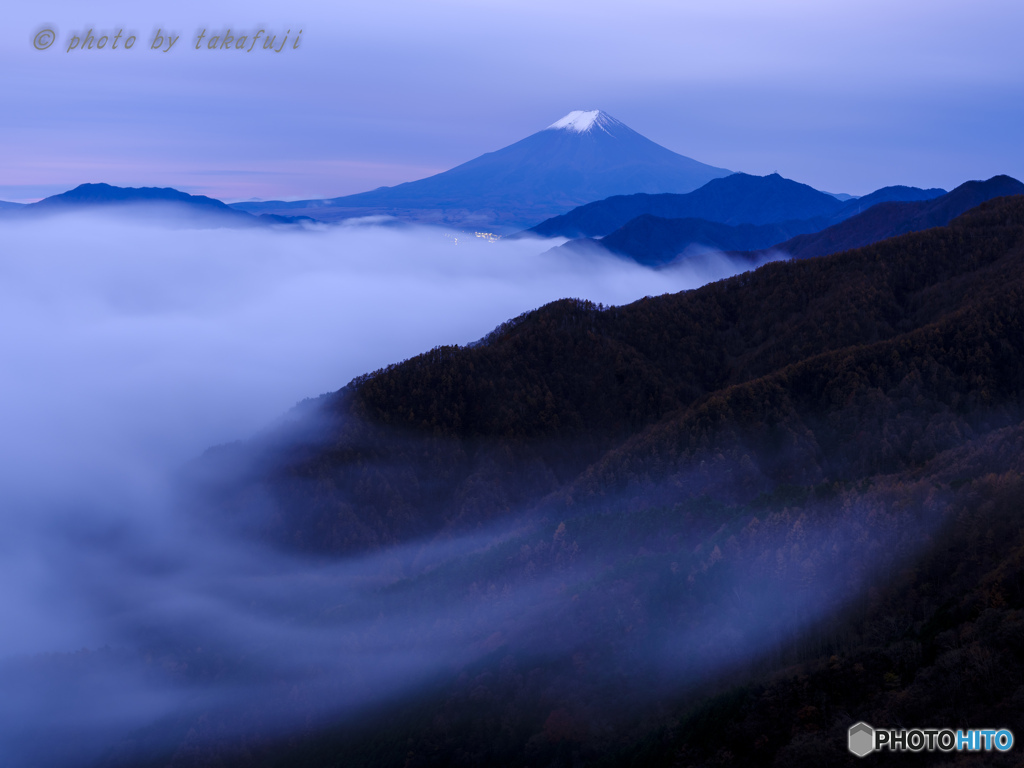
<point x="579" y="121"/>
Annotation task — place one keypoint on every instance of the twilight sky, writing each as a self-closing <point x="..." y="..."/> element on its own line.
<point x="847" y="97"/>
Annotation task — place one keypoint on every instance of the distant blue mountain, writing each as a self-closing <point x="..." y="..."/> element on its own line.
<point x="654" y="241"/>
<point x="87" y="195"/>
<point x="897" y="193"/>
<point x="162" y="203"/>
<point x="891" y="218"/>
<point x="585" y="156"/>
<point x="736" y="199"/>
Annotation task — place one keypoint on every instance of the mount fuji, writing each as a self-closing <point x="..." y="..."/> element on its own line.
<point x="583" y="157"/>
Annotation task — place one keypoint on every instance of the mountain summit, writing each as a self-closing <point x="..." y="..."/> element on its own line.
<point x="583" y="157"/>
<point x="582" y="122"/>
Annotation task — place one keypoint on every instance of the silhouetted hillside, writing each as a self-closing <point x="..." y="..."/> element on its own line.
<point x="654" y="241"/>
<point x="736" y="199"/>
<point x="754" y="514"/>
<point x="890" y="219"/>
<point x="897" y="193"/>
<point x="463" y="434"/>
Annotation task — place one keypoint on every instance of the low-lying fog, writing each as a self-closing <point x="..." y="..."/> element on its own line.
<point x="127" y="350"/>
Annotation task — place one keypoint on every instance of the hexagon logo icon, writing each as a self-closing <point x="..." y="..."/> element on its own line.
<point x="861" y="739"/>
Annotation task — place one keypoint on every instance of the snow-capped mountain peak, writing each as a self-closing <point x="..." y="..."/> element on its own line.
<point x="585" y="156"/>
<point x="579" y="121"/>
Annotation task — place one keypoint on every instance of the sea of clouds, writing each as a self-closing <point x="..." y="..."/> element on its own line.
<point x="128" y="349"/>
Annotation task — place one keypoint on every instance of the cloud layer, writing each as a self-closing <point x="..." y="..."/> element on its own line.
<point x="131" y="348"/>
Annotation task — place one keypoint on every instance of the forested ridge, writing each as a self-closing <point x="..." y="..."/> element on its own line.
<point x="762" y="510"/>
<point x="827" y="369"/>
<point x="892" y="218"/>
<point x="656" y="237"/>
<point x="738" y="198"/>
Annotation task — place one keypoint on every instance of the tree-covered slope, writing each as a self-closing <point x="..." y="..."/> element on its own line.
<point x="827" y="368"/>
<point x="734" y="521"/>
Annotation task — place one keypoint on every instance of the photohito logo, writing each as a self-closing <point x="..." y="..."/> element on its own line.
<point x="863" y="739"/>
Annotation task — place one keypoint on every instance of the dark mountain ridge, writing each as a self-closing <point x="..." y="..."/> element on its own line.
<point x="889" y="219"/>
<point x="555" y="390"/>
<point x="800" y="485"/>
<point x="897" y="193"/>
<point x="655" y="242"/>
<point x="736" y="199"/>
<point x="747" y="515"/>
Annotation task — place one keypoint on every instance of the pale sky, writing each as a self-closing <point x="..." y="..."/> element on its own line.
<point x="847" y="96"/>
